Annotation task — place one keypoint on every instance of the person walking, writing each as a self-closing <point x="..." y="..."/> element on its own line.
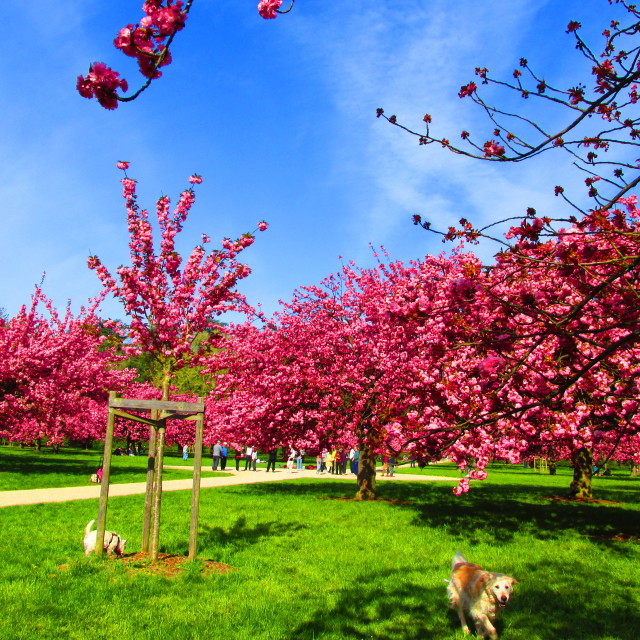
<point x="299" y="460"/>
<point x="343" y="462"/>
<point x="223" y="456"/>
<point x="217" y="453"/>
<point x="356" y="461"/>
<point x="239" y="456"/>
<point x="185" y="452"/>
<point x="352" y="455"/>
<point x="254" y="457"/>
<point x="290" y="459"/>
<point x="392" y="465"/>
<point x="385" y="466"/>
<point x="247" y="455"/>
<point x="319" y="463"/>
<point x="273" y="457"/>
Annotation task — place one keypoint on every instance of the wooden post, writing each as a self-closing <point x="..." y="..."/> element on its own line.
<point x="104" y="485"/>
<point x="195" y="494"/>
<point x="148" y="502"/>
<point x="157" y="498"/>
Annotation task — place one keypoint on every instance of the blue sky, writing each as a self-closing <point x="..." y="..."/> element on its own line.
<point x="278" y="116"/>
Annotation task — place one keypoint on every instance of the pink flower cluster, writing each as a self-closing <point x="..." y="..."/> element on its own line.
<point x="268" y="9"/>
<point x="101" y="82"/>
<point x="147" y="41"/>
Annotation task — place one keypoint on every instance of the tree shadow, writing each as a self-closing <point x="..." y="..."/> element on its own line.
<point x="386" y="606"/>
<point x="487" y="514"/>
<point x="494" y="517"/>
<point x="379" y="604"/>
<point x="240" y="535"/>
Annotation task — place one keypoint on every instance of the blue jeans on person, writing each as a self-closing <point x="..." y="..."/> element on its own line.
<point x="299" y="463"/>
<point x="216" y="459"/>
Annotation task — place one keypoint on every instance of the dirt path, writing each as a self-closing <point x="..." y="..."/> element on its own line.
<point x="64" y="494"/>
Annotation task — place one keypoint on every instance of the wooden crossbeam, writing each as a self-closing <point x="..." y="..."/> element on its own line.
<point x="157" y="405"/>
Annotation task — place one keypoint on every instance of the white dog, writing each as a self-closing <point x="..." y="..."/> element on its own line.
<point x="113" y="543"/>
<point x="479" y="592"/>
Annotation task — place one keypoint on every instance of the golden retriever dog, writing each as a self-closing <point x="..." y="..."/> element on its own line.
<point x="480" y="593"/>
<point x="112" y="542"/>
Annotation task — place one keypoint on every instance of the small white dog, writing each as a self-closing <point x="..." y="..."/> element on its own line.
<point x="479" y="592"/>
<point x="113" y="543"/>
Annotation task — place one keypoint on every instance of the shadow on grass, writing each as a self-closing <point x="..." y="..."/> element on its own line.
<point x="489" y="514"/>
<point x="241" y="536"/>
<point x="387" y="606"/>
<point x="382" y="605"/>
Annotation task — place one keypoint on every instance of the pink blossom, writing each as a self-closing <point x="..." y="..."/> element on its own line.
<point x="467" y="90"/>
<point x="195" y="179"/>
<point x="269" y="8"/>
<point x="101" y="81"/>
<point x="490" y="365"/>
<point x="123" y="165"/>
<point x="262" y="225"/>
<point x="493" y="149"/>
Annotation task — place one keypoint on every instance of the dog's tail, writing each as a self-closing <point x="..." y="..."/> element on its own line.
<point x="88" y="527"/>
<point x="457" y="559"/>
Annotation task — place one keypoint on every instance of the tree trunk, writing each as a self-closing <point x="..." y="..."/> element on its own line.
<point x="366" y="475"/>
<point x="582" y="472"/>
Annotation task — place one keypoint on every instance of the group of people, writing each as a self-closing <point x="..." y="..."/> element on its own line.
<point x="335" y="461"/>
<point x="332" y="461"/>
<point x="220" y="453"/>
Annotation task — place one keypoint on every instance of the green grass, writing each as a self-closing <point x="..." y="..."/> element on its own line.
<point x="310" y="566"/>
<point x="30" y="469"/>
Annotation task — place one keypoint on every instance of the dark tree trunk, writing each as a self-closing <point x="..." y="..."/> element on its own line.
<point x="366" y="475"/>
<point x="582" y="473"/>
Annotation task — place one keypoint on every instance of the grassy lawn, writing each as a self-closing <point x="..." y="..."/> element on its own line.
<point x="309" y="565"/>
<point x="30" y="469"/>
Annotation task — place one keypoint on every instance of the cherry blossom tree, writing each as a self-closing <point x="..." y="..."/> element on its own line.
<point x="567" y="280"/>
<point x="171" y="305"/>
<point x="55" y="373"/>
<point x="340" y="364"/>
<point x="439" y="357"/>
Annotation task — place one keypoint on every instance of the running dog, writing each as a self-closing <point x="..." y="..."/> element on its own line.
<point x="112" y="543"/>
<point x="480" y="593"/>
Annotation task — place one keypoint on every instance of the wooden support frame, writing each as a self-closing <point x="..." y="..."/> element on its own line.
<point x="161" y="411"/>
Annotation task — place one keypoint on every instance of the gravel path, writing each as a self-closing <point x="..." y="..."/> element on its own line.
<point x="64" y="494"/>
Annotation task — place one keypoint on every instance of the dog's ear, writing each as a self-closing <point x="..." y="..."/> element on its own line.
<point x="514" y="581"/>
